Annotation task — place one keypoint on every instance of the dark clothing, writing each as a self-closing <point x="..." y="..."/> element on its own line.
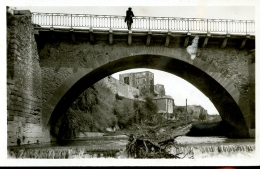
<point x="129" y="15"/>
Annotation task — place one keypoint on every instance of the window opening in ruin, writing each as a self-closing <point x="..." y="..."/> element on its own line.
<point x="126" y="80"/>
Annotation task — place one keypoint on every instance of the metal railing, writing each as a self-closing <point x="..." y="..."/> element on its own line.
<point x="169" y="24"/>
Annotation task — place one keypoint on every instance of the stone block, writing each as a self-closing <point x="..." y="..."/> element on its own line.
<point x="222" y="80"/>
<point x="13" y="46"/>
<point x="214" y="75"/>
<point x="12" y="113"/>
<point x="33" y="129"/>
<point x="11" y="141"/>
<point x="32" y="120"/>
<point x="12" y="30"/>
<point x="33" y="134"/>
<point x="230" y="87"/>
<point x="11" y="107"/>
<point x="10" y="118"/>
<point x="13" y="97"/>
<point x="218" y="77"/>
<point x="19" y="99"/>
<point x="228" y="84"/>
<point x="22" y="119"/>
<point x="9" y="102"/>
<point x="12" y="126"/>
<point x="236" y="97"/>
<point x="14" y="41"/>
<point x="225" y="82"/>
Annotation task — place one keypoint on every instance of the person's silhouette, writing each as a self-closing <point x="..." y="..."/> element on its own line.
<point x="129" y="18"/>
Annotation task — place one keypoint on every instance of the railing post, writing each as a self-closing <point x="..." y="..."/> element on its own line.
<point x="52" y="20"/>
<point x="91" y="35"/>
<point x="71" y="21"/>
<point x="246" y="27"/>
<point x="207" y="26"/>
<point x="90" y="22"/>
<point x="188" y="25"/>
<point x="149" y="23"/>
<point x="168" y="24"/>
<point x="110" y="22"/>
<point x="227" y="26"/>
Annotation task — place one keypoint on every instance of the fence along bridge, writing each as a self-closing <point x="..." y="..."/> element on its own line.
<point x="146" y="25"/>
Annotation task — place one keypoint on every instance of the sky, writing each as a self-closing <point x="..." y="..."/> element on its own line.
<point x="175" y="86"/>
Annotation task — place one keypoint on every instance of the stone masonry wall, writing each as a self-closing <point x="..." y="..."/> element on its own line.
<point x="24" y="87"/>
<point x="231" y="62"/>
<point x="120" y="88"/>
<point x="52" y="79"/>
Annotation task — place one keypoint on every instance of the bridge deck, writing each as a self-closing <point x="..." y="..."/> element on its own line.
<point x="143" y="24"/>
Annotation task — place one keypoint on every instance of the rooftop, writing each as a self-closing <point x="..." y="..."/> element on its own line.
<point x="163" y="97"/>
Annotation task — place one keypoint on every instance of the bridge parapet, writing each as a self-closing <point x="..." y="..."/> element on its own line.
<point x="145" y="23"/>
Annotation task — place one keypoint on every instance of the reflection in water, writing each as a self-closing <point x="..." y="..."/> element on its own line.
<point x="187" y="147"/>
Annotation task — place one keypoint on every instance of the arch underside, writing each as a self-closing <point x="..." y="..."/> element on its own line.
<point x="219" y="96"/>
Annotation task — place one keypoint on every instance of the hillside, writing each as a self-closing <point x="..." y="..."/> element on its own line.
<point x="98" y="109"/>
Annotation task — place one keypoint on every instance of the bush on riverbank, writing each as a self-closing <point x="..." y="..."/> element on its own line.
<point x="91" y="111"/>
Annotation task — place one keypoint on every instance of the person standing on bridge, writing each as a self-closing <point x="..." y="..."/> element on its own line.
<point x="129" y="18"/>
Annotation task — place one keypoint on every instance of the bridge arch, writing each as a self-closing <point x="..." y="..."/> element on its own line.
<point x="225" y="103"/>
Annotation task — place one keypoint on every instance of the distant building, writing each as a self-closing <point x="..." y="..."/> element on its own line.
<point x="139" y="80"/>
<point x="165" y="104"/>
<point x="159" y="90"/>
<point x="195" y="110"/>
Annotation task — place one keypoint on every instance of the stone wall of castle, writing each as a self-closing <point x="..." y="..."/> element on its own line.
<point x="120" y="88"/>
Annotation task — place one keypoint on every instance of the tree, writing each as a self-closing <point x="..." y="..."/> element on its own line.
<point x="124" y="111"/>
<point x="91" y="111"/>
<point x="151" y="108"/>
<point x="202" y="115"/>
<point x="137" y="111"/>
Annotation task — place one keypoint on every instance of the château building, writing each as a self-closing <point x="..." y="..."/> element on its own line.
<point x="165" y="104"/>
<point x="139" y="80"/>
<point x="159" y="90"/>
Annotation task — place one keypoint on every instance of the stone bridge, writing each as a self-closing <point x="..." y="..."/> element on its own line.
<point x="49" y="67"/>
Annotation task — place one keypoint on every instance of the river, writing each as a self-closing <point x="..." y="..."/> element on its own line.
<point x="114" y="147"/>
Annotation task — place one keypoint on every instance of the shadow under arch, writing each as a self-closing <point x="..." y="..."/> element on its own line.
<point x="235" y="124"/>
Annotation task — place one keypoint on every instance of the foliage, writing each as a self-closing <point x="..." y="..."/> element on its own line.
<point x="150" y="108"/>
<point x="124" y="111"/>
<point x="92" y="111"/>
<point x="98" y="108"/>
<point x="202" y="115"/>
